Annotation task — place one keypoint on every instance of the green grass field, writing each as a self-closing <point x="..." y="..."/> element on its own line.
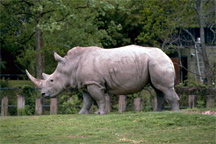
<point x="18" y="83"/>
<point x="129" y="127"/>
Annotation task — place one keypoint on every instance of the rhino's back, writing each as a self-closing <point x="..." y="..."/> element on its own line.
<point x="120" y="70"/>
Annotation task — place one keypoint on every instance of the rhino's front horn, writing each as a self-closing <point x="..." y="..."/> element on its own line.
<point x="37" y="82"/>
<point x="59" y="58"/>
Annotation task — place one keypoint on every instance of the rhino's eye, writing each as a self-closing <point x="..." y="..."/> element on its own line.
<point x="51" y="80"/>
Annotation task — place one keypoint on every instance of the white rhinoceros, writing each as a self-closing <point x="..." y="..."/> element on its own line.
<point x="123" y="70"/>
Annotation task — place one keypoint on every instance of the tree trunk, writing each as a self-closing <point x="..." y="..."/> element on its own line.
<point x="39" y="45"/>
<point x="202" y="39"/>
<point x="40" y="55"/>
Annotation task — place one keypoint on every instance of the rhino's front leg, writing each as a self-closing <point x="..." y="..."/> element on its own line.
<point x="98" y="94"/>
<point x="87" y="103"/>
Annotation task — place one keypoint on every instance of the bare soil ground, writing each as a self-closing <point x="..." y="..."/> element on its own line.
<point x="209" y="112"/>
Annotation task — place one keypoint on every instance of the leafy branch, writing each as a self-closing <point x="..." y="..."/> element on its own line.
<point x="28" y="3"/>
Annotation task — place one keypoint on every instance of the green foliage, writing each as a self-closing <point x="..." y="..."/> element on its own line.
<point x="184" y="100"/>
<point x="136" y="95"/>
<point x="213" y="76"/>
<point x="68" y="105"/>
<point x="193" y="87"/>
<point x="30" y="96"/>
<point x="25" y="111"/>
<point x="160" y="20"/>
<point x="115" y="108"/>
<point x="3" y="83"/>
<point x="121" y="23"/>
<point x="191" y="81"/>
<point x="65" y="24"/>
<point x="200" y="104"/>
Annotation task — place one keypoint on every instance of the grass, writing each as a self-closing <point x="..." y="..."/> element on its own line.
<point x="129" y="127"/>
<point x="18" y="83"/>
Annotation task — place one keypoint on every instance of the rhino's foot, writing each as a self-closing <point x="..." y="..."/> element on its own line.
<point x="100" y="112"/>
<point x="175" y="108"/>
<point x="174" y="105"/>
<point x="83" y="111"/>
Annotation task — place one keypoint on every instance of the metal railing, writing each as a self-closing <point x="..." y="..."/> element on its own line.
<point x="11" y="76"/>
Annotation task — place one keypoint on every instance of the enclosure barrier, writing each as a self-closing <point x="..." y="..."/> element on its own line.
<point x="108" y="102"/>
<point x="39" y="106"/>
<point x="122" y="103"/>
<point x="54" y="105"/>
<point x="192" y="101"/>
<point x="137" y="105"/>
<point x="210" y="101"/>
<point x="12" y="76"/>
<point x="20" y="103"/>
<point x="4" y="106"/>
<point x="155" y="104"/>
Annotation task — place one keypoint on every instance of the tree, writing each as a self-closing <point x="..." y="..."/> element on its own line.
<point x="165" y="20"/>
<point x="26" y="20"/>
<point x="160" y="20"/>
<point x="122" y="23"/>
<point x="203" y="9"/>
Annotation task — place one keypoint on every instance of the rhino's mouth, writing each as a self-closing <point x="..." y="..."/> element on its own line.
<point x="45" y="94"/>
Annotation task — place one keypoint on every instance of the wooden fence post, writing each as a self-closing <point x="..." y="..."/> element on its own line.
<point x="20" y="103"/>
<point x="192" y="101"/>
<point x="138" y="104"/>
<point x="210" y="101"/>
<point x="108" y="101"/>
<point x="4" y="106"/>
<point x="39" y="106"/>
<point x="122" y="103"/>
<point x="155" y="104"/>
<point x="54" y="106"/>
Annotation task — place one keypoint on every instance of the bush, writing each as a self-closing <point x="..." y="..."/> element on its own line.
<point x="3" y="83"/>
<point x="30" y="96"/>
<point x="68" y="106"/>
<point x="25" y="111"/>
<point x="200" y="104"/>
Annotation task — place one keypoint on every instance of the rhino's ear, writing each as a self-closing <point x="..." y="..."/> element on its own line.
<point x="45" y="76"/>
<point x="58" y="58"/>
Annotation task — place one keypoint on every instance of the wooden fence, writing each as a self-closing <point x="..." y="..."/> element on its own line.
<point x="138" y="104"/>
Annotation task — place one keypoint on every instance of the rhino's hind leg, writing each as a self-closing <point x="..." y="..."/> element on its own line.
<point x="160" y="100"/>
<point x="164" y="95"/>
<point x="98" y="94"/>
<point x="168" y="95"/>
<point x="162" y="75"/>
<point x="172" y="98"/>
<point x="87" y="102"/>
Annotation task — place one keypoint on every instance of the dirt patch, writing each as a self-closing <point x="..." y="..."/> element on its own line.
<point x="129" y="140"/>
<point x="77" y="136"/>
<point x="209" y="113"/>
<point x="205" y="112"/>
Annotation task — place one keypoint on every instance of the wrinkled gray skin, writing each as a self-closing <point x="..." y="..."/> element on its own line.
<point x="118" y="71"/>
